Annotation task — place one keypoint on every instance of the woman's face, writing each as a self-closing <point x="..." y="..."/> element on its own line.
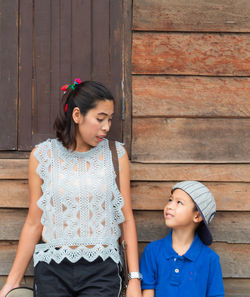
<point x="94" y="126"/>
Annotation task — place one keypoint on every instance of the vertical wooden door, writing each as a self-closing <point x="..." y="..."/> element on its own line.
<point x="45" y="44"/>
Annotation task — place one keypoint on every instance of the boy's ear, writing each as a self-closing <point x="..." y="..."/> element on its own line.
<point x="197" y="217"/>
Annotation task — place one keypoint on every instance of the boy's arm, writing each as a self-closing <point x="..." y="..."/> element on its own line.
<point x="148" y="293"/>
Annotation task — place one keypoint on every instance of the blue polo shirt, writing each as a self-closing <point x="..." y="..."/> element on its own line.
<point x="195" y="274"/>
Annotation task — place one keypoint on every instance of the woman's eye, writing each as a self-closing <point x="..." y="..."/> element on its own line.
<point x="100" y="120"/>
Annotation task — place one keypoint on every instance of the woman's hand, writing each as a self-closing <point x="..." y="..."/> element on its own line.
<point x="5" y="289"/>
<point x="134" y="288"/>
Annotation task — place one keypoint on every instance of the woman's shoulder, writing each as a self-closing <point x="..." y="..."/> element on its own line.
<point x="120" y="149"/>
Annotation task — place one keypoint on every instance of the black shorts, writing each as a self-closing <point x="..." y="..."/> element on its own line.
<point x="81" y="279"/>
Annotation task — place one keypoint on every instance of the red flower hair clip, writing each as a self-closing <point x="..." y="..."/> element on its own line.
<point x="66" y="88"/>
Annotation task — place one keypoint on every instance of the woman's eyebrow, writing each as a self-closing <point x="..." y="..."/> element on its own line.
<point x="105" y="114"/>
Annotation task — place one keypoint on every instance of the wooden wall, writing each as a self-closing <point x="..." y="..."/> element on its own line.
<point x="191" y="119"/>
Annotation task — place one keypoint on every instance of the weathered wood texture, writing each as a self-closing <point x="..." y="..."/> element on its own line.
<point x="7" y="255"/>
<point x="13" y="168"/>
<point x="191" y="118"/>
<point x="192" y="15"/>
<point x="8" y="73"/>
<point x="202" y="172"/>
<point x="18" y="169"/>
<point x="181" y="96"/>
<point x="191" y="140"/>
<point x="230" y="227"/>
<point x="45" y="44"/>
<point x="233" y="227"/>
<point x="191" y="54"/>
<point x="145" y="195"/>
<point x="154" y="195"/>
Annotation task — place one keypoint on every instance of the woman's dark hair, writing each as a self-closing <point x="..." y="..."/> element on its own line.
<point x="85" y="96"/>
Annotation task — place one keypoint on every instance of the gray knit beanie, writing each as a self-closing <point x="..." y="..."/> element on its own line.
<point x="205" y="203"/>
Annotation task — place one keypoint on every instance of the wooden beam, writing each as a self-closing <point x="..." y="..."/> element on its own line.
<point x="192" y="15"/>
<point x="154" y="195"/>
<point x="191" y="54"/>
<point x="231" y="227"/>
<point x="179" y="96"/>
<point x="201" y="172"/>
<point x="163" y="140"/>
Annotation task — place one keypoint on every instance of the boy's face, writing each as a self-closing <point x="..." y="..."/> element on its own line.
<point x="180" y="212"/>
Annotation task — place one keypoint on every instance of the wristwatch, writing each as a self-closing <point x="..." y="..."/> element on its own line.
<point x="137" y="275"/>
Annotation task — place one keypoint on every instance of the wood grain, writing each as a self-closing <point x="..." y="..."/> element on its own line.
<point x="231" y="227"/>
<point x="154" y="195"/>
<point x="180" y="96"/>
<point x="14" y="193"/>
<point x="160" y="140"/>
<point x="7" y="255"/>
<point x="13" y="168"/>
<point x="191" y="54"/>
<point x="192" y="15"/>
<point x="201" y="172"/>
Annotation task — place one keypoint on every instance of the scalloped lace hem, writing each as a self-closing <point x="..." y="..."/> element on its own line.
<point x="46" y="254"/>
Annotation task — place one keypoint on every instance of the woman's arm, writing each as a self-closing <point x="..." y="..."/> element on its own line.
<point x="31" y="231"/>
<point x="129" y="229"/>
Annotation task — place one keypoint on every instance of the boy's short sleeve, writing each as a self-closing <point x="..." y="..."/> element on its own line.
<point x="215" y="281"/>
<point x="148" y="268"/>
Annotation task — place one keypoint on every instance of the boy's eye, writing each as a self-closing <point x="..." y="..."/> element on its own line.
<point x="180" y="202"/>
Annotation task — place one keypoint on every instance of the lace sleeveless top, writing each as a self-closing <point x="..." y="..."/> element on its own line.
<point x="81" y="203"/>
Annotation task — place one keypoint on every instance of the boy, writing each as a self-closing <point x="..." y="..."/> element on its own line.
<point x="181" y="264"/>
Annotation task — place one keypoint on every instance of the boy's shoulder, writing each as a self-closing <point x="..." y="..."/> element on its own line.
<point x="155" y="247"/>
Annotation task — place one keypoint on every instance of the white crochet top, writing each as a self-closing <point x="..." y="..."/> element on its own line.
<point x="81" y="203"/>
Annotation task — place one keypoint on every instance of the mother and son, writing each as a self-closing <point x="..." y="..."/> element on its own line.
<point x="72" y="229"/>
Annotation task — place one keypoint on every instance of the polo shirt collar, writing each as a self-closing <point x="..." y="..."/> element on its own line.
<point x="192" y="253"/>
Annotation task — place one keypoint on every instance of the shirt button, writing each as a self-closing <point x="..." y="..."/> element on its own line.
<point x="174" y="259"/>
<point x="177" y="270"/>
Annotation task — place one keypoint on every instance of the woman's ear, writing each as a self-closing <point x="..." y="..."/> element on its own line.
<point x="76" y="114"/>
<point x="197" y="217"/>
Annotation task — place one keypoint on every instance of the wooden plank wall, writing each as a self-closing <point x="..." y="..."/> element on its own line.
<point x="191" y="119"/>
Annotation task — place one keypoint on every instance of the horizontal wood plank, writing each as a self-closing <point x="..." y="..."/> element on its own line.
<point x="14" y="193"/>
<point x="237" y="287"/>
<point x="26" y="281"/>
<point x="192" y="15"/>
<point x="227" y="226"/>
<point x="201" y="172"/>
<point x="154" y="172"/>
<point x="231" y="227"/>
<point x="234" y="259"/>
<point x="11" y="223"/>
<point x="163" y="140"/>
<point x="175" y="96"/>
<point x="145" y="195"/>
<point x="191" y="54"/>
<point x="7" y="255"/>
<point x="13" y="169"/>
<point x="154" y="195"/>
